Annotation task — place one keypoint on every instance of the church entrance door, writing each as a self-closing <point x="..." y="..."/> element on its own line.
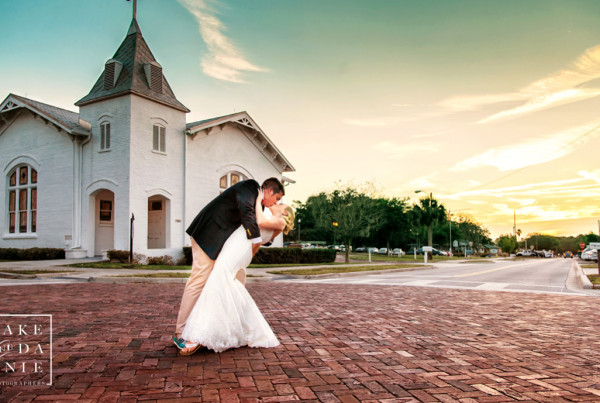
<point x="105" y="222"/>
<point x="157" y="231"/>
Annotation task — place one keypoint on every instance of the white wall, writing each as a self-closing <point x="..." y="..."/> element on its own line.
<point x="107" y="169"/>
<point x="50" y="152"/>
<point x="210" y="156"/>
<point x="155" y="173"/>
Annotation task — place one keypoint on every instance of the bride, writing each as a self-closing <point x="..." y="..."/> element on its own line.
<point x="225" y="315"/>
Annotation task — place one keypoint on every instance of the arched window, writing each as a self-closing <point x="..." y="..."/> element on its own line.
<point x="230" y="179"/>
<point x="22" y="200"/>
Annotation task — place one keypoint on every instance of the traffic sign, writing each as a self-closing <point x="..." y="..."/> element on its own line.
<point x="427" y="248"/>
<point x="595" y="245"/>
<point x="582" y="245"/>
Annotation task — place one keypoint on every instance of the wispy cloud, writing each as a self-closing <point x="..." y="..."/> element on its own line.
<point x="545" y="101"/>
<point x="523" y="194"/>
<point x="396" y="150"/>
<point x="531" y="151"/>
<point x="562" y="87"/>
<point x="224" y="60"/>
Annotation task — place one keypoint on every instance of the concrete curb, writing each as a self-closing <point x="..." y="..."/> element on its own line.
<point x="577" y="278"/>
<point x="6" y="274"/>
<point x="117" y="280"/>
<point x="351" y="274"/>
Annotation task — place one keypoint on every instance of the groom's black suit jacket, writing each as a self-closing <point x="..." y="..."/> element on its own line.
<point x="223" y="215"/>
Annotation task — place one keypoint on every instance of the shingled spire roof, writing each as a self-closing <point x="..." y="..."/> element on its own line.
<point x="133" y="70"/>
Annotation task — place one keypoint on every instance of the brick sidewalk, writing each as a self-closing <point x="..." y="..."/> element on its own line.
<point x="343" y="343"/>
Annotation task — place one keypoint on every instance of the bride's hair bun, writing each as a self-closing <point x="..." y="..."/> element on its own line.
<point x="289" y="218"/>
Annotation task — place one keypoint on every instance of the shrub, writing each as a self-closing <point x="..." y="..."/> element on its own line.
<point x="187" y="255"/>
<point x="164" y="260"/>
<point x="31" y="254"/>
<point x="118" y="255"/>
<point x="277" y="255"/>
<point x="140" y="258"/>
<point x="293" y="255"/>
<point x="318" y="255"/>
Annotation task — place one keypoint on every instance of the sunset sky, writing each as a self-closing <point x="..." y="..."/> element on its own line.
<point x="493" y="106"/>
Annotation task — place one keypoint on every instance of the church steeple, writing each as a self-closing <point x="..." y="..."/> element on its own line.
<point x="133" y="70"/>
<point x="134" y="28"/>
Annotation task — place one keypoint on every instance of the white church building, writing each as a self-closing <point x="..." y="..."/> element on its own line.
<point x="76" y="180"/>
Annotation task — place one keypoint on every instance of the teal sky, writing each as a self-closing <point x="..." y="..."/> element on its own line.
<point x="490" y="105"/>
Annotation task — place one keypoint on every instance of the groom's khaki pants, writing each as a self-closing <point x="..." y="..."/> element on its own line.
<point x="202" y="265"/>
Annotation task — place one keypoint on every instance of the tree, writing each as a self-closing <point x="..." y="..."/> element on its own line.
<point x="427" y="213"/>
<point x="472" y="231"/>
<point x="508" y="243"/>
<point x="394" y="232"/>
<point x="541" y="241"/>
<point x="355" y="212"/>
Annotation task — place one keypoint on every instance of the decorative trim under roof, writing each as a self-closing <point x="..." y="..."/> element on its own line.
<point x="62" y="119"/>
<point x="253" y="132"/>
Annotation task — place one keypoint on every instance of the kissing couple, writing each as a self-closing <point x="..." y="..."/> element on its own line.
<point x="216" y="311"/>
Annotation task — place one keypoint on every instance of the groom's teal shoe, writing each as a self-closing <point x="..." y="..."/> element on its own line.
<point x="179" y="342"/>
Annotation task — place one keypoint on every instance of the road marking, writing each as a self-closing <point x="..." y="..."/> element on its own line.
<point x="495" y="269"/>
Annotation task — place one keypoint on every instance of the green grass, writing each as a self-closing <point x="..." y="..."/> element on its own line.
<point x="479" y="261"/>
<point x="117" y="266"/>
<point x="343" y="269"/>
<point x="405" y="258"/>
<point x="266" y="266"/>
<point x="594" y="278"/>
<point x="158" y="275"/>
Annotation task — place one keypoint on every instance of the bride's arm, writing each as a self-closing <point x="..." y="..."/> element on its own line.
<point x="273" y="223"/>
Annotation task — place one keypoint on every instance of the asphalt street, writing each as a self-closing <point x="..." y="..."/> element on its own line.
<point x="529" y="275"/>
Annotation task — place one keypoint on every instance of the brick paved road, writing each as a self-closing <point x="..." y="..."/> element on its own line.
<point x="343" y="343"/>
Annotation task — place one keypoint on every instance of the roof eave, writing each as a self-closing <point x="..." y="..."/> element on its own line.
<point x="81" y="102"/>
<point x="255" y="130"/>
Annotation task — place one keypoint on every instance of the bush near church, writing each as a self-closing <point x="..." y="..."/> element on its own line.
<point x="118" y="255"/>
<point x="31" y="254"/>
<point x="293" y="255"/>
<point x="281" y="255"/>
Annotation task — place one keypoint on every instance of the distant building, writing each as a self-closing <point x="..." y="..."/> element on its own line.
<point x="75" y="180"/>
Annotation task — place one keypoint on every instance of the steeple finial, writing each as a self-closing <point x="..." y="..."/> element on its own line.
<point x="134" y="9"/>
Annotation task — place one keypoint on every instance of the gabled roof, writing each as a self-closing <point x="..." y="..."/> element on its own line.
<point x="62" y="119"/>
<point x="133" y="54"/>
<point x="253" y="132"/>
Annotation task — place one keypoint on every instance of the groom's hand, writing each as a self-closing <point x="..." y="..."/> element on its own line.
<point x="255" y="248"/>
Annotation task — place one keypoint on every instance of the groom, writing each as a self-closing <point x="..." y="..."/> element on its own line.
<point x="209" y="231"/>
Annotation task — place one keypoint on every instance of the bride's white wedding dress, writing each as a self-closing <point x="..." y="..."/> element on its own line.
<point x="225" y="315"/>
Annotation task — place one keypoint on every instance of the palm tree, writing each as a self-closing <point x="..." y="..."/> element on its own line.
<point x="428" y="212"/>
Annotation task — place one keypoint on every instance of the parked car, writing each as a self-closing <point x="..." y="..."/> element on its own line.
<point x="568" y="254"/>
<point x="526" y="252"/>
<point x="547" y="253"/>
<point x="589" y="254"/>
<point x="398" y="252"/>
<point x="434" y="251"/>
<point x="361" y="250"/>
<point x="383" y="251"/>
<point x="373" y="250"/>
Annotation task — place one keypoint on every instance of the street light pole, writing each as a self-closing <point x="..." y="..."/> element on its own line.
<point x="299" y="221"/>
<point x="450" y="227"/>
